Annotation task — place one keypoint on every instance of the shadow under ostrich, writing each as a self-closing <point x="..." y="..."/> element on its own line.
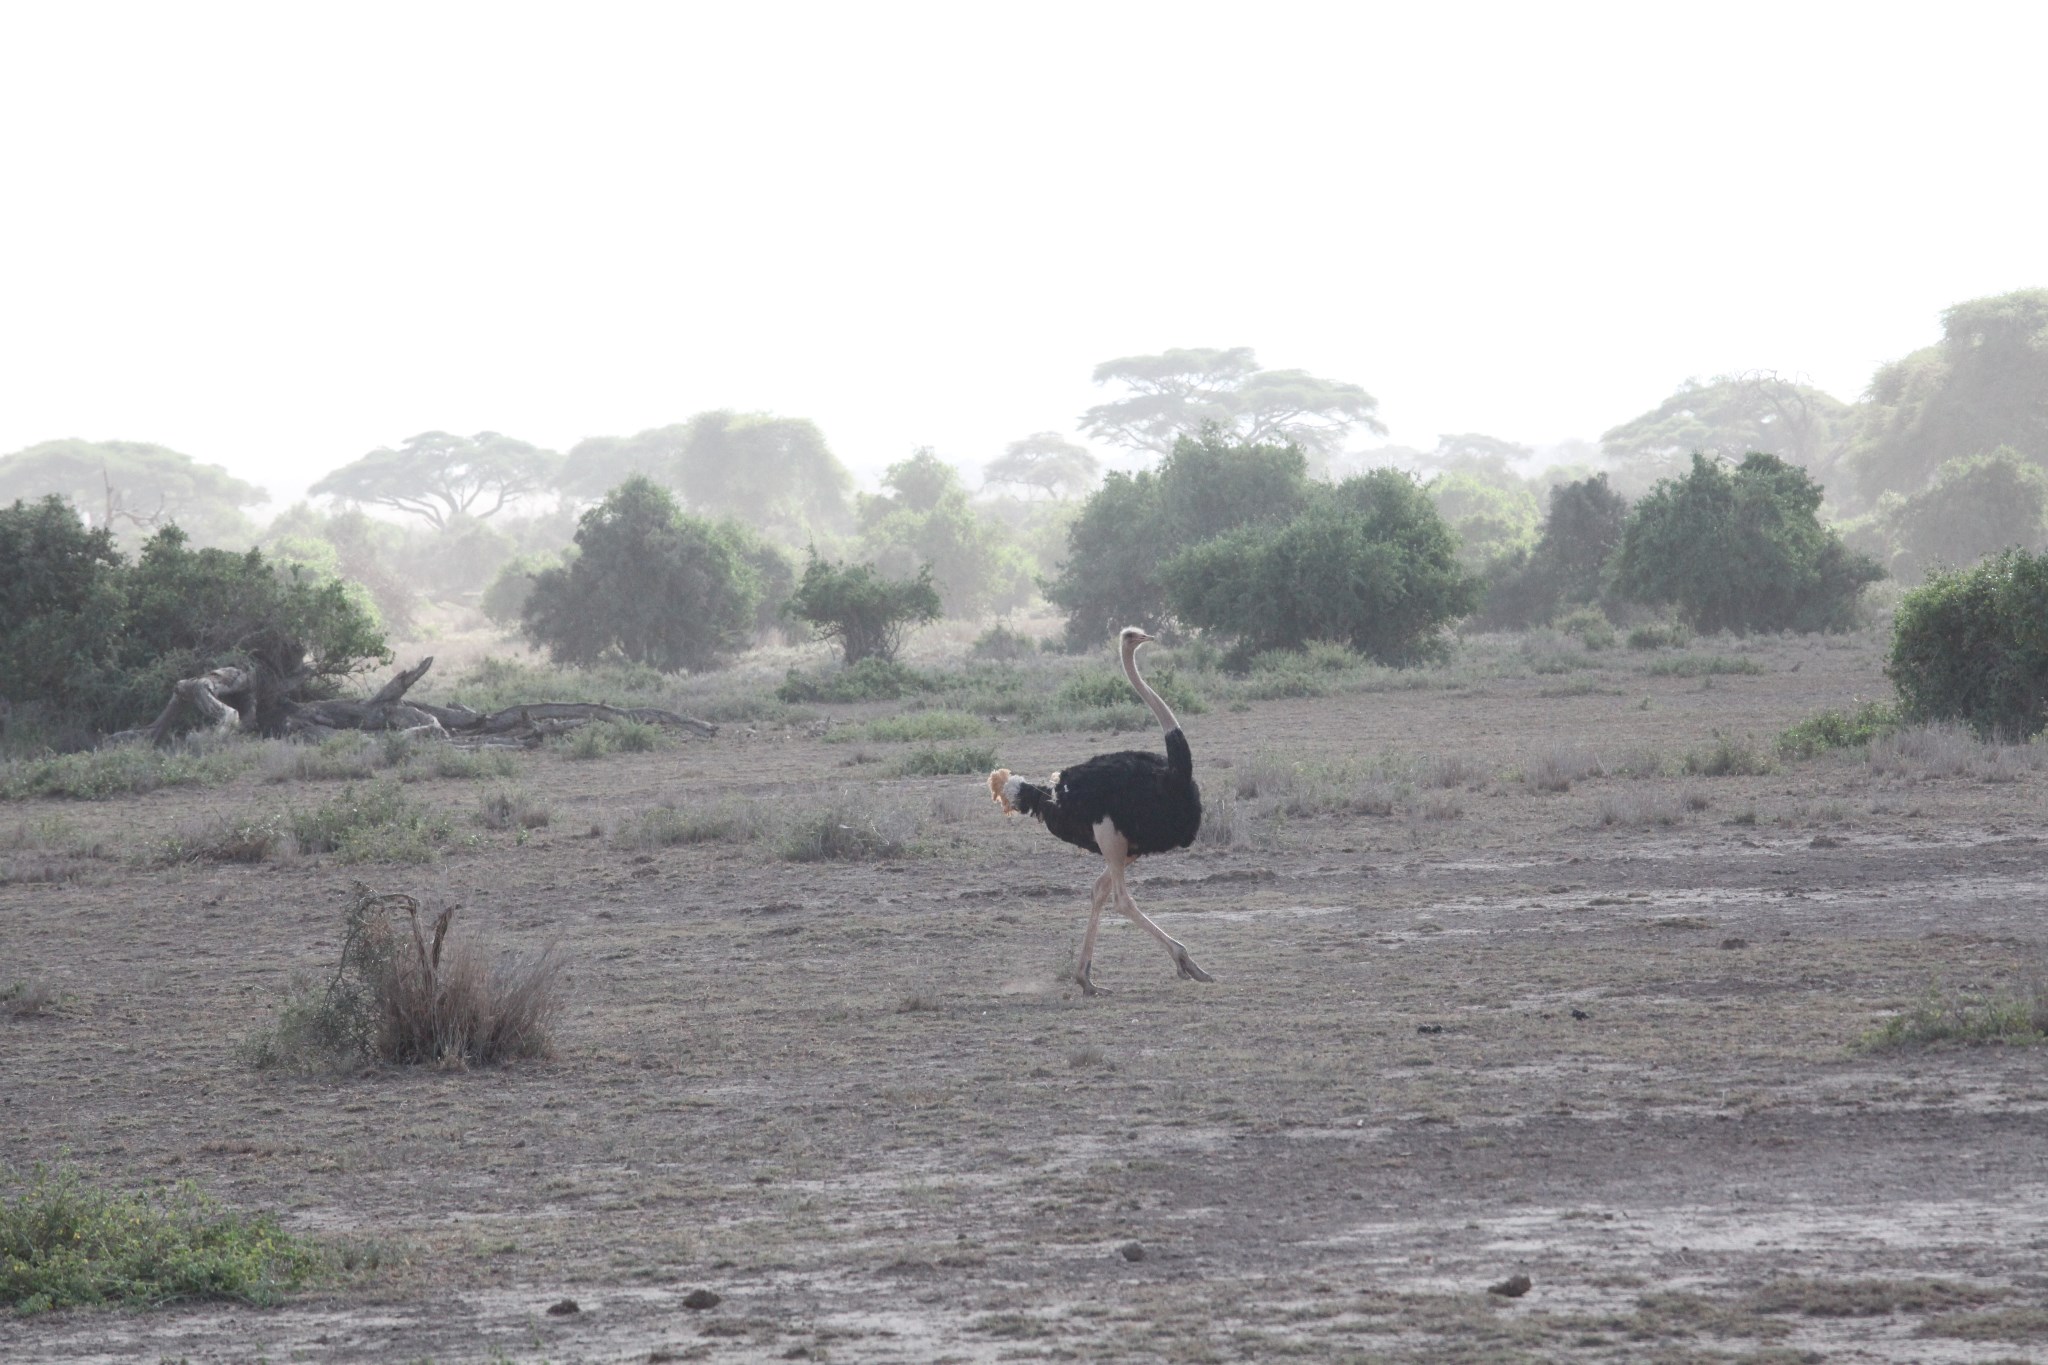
<point x="1123" y="806"/>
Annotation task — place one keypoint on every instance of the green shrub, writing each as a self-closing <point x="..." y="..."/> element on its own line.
<point x="1839" y="730"/>
<point x="1589" y="626"/>
<point x="939" y="761"/>
<point x="1701" y="666"/>
<point x="869" y="615"/>
<point x="1941" y="1017"/>
<point x="1741" y="550"/>
<point x="65" y="1244"/>
<point x="378" y="823"/>
<point x="1003" y="645"/>
<point x="597" y="738"/>
<point x="1971" y="645"/>
<point x="102" y="773"/>
<point x="1728" y="756"/>
<point x="1097" y="689"/>
<point x="1368" y="563"/>
<point x="649" y="584"/>
<point x="869" y="680"/>
<point x="1660" y="635"/>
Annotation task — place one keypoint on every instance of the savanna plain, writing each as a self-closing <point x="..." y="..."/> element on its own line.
<point x="1543" y="962"/>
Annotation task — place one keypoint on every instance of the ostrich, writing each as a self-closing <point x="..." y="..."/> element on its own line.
<point x="1120" y="805"/>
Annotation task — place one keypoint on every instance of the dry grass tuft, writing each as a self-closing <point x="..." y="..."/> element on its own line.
<point x="1557" y="769"/>
<point x="405" y="994"/>
<point x="512" y="809"/>
<point x="28" y="999"/>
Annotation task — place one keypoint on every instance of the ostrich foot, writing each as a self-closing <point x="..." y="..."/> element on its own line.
<point x="1188" y="968"/>
<point x="1088" y="986"/>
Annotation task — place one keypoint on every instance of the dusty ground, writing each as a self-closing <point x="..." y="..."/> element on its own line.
<point x="1497" y="1031"/>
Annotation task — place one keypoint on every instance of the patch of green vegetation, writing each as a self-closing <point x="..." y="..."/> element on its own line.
<point x="1660" y="635"/>
<point x="493" y="684"/>
<point x="1700" y="666"/>
<point x="1097" y="688"/>
<point x="912" y="727"/>
<point x="1869" y="1298"/>
<point x="868" y="680"/>
<point x="726" y="822"/>
<point x="98" y="774"/>
<point x="847" y="830"/>
<point x="1589" y="626"/>
<point x="1728" y="756"/>
<point x="227" y="840"/>
<point x="601" y="737"/>
<point x="64" y="1243"/>
<point x="377" y="823"/>
<point x="1940" y="1017"/>
<point x="945" y="760"/>
<point x="1839" y="730"/>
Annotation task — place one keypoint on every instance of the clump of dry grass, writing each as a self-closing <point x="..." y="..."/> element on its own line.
<point x="512" y="809"/>
<point x="1660" y="806"/>
<point x="27" y="998"/>
<point x="1450" y="770"/>
<point x="226" y="840"/>
<point x="403" y="993"/>
<point x="2019" y="1015"/>
<point x="666" y="826"/>
<point x="1556" y="769"/>
<point x="1934" y="751"/>
<point x="1729" y="756"/>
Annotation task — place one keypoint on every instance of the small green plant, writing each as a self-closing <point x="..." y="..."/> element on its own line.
<point x="943" y="760"/>
<point x="1839" y="730"/>
<point x="848" y="829"/>
<point x="1660" y="635"/>
<point x="64" y="1243"/>
<point x="98" y="774"/>
<point x="725" y="822"/>
<point x="1588" y="625"/>
<point x="1701" y="666"/>
<point x="2018" y="1016"/>
<point x="1728" y="756"/>
<point x="601" y="737"/>
<point x="377" y="823"/>
<point x="869" y="680"/>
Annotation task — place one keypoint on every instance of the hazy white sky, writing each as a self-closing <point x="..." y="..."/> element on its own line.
<point x="277" y="236"/>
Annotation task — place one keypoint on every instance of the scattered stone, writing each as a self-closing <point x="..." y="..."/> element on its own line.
<point x="1512" y="1287"/>
<point x="1734" y="943"/>
<point x="1580" y="1014"/>
<point x="564" y="1309"/>
<point x="697" y="1300"/>
<point x="1132" y="1251"/>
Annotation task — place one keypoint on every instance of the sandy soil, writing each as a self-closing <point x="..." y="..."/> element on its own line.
<point x="1497" y="1031"/>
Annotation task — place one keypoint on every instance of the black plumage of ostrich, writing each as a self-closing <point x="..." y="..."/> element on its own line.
<point x="1122" y="806"/>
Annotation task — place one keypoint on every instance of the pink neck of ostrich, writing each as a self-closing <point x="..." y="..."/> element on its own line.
<point x="1167" y="723"/>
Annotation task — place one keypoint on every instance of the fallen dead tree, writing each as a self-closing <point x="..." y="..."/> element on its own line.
<point x="224" y="700"/>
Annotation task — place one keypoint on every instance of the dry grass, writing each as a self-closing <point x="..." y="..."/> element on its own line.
<point x="1927" y="752"/>
<point x="1556" y="769"/>
<point x="404" y="994"/>
<point x="512" y="809"/>
<point x="28" y="998"/>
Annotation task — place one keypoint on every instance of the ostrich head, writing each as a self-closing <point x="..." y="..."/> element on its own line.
<point x="1130" y="637"/>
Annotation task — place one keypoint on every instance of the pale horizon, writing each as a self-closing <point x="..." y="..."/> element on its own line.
<point x="276" y="239"/>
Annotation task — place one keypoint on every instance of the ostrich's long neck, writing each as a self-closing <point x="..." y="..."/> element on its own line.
<point x="1152" y="699"/>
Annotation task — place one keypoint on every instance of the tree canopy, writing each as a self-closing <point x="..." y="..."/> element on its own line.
<point x="647" y="583"/>
<point x="869" y="614"/>
<point x="1368" y="563"/>
<point x="1208" y="485"/>
<point x="1044" y="462"/>
<point x="1730" y="416"/>
<point x="1983" y="385"/>
<point x="1741" y="549"/>
<point x="925" y="520"/>
<point x="1179" y="392"/>
<point x="134" y="488"/>
<point x="438" y="476"/>
<point x="1975" y="507"/>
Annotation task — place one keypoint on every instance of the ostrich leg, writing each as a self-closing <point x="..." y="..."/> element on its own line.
<point x="1104" y="888"/>
<point x="1173" y="946"/>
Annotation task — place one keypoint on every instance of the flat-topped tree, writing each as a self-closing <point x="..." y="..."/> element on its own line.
<point x="134" y="488"/>
<point x="438" y="476"/>
<point x="1182" y="392"/>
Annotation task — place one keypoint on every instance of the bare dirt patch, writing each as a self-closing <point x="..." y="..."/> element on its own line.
<point x="1602" y="1033"/>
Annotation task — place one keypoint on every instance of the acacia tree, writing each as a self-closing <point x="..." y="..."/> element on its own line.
<point x="134" y="488"/>
<point x="1179" y="392"/>
<point x="1045" y="462"/>
<point x="1742" y="550"/>
<point x="438" y="476"/>
<point x="1729" y="416"/>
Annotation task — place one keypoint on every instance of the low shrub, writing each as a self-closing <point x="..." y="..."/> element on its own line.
<point x="913" y="726"/>
<point x="404" y="994"/>
<point x="377" y="823"/>
<point x="1838" y="730"/>
<point x="1701" y="666"/>
<point x="869" y="680"/>
<point x="66" y="1244"/>
<point x="1728" y="756"/>
<point x="1003" y="645"/>
<point x="598" y="738"/>
<point x="2019" y="1016"/>
<point x="1589" y="626"/>
<point x="97" y="774"/>
<point x="848" y="829"/>
<point x="512" y="810"/>
<point x="725" y="822"/>
<point x="1971" y="646"/>
<point x="945" y="760"/>
<point x="1660" y="635"/>
<point x="227" y="840"/>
